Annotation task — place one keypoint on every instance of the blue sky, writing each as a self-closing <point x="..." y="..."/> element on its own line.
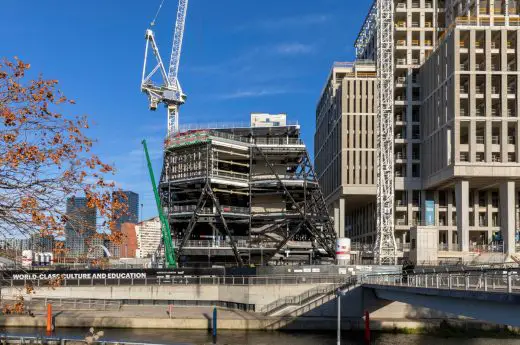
<point x="239" y="56"/>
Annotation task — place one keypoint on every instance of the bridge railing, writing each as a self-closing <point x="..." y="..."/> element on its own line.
<point x="492" y="280"/>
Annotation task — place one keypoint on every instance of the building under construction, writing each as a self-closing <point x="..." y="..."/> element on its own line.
<point x="244" y="195"/>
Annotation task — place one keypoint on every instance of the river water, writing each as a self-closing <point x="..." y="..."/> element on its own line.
<point x="177" y="337"/>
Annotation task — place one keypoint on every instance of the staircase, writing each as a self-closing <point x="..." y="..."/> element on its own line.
<point x="516" y="258"/>
<point x="309" y="295"/>
<point x="304" y="303"/>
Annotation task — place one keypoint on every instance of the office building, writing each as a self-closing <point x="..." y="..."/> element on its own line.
<point x="129" y="245"/>
<point x="131" y="215"/>
<point x="42" y="243"/>
<point x="456" y="153"/>
<point x="148" y="235"/>
<point x="81" y="225"/>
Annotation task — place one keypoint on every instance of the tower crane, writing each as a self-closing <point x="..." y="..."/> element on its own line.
<point x="385" y="246"/>
<point x="169" y="92"/>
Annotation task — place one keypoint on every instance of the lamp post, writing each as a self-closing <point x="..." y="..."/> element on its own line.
<point x="339" y="293"/>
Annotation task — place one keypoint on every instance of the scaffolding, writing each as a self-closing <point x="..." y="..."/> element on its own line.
<point x="244" y="196"/>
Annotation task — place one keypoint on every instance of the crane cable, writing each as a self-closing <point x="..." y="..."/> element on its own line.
<point x="157" y="14"/>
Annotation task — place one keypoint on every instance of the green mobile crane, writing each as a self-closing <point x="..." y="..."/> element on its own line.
<point x="169" y="250"/>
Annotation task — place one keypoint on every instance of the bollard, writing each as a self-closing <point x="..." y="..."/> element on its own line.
<point x="367" y="327"/>
<point x="49" y="319"/>
<point x="170" y="311"/>
<point x="214" y="325"/>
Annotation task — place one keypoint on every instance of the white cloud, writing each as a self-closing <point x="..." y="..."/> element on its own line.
<point x="293" y="48"/>
<point x="287" y="22"/>
<point x="252" y="93"/>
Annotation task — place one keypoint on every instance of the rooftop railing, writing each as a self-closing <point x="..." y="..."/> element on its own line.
<point x="226" y="125"/>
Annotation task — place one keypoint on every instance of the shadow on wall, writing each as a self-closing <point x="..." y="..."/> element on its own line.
<point x="384" y="314"/>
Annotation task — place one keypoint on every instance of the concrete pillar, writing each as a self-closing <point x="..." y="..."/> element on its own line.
<point x="336" y="218"/>
<point x="507" y="215"/>
<point x="341" y="222"/>
<point x="462" y="200"/>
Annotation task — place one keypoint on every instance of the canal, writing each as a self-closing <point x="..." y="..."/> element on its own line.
<point x="176" y="337"/>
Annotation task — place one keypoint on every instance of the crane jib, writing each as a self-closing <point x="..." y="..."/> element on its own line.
<point x="168" y="91"/>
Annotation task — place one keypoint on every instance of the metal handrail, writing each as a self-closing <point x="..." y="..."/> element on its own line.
<point x="496" y="280"/>
<point x="305" y="296"/>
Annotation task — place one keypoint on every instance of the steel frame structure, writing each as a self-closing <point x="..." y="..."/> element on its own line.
<point x="202" y="184"/>
<point x="385" y="246"/>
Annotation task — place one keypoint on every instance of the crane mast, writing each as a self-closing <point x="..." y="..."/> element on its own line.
<point x="385" y="246"/>
<point x="169" y="91"/>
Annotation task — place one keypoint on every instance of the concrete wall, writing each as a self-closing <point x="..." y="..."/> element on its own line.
<point x="359" y="300"/>
<point x="259" y="295"/>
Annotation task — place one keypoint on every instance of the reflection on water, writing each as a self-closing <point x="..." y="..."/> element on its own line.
<point x="177" y="337"/>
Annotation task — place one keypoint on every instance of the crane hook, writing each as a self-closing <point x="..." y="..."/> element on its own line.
<point x="157" y="14"/>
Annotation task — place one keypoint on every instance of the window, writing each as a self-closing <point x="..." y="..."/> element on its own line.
<point x="413" y="243"/>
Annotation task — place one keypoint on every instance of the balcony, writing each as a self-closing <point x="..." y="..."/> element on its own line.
<point x="480" y="139"/>
<point x="400" y="202"/>
<point x="400" y="155"/>
<point x="400" y="221"/>
<point x="401" y="135"/>
<point x="511" y="139"/>
<point x="495" y="139"/>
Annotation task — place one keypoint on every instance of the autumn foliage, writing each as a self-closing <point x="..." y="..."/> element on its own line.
<point x="45" y="157"/>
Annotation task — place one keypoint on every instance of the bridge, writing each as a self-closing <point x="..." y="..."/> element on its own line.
<point x="491" y="295"/>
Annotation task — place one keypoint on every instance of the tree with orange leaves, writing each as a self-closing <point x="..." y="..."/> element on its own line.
<point x="46" y="157"/>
